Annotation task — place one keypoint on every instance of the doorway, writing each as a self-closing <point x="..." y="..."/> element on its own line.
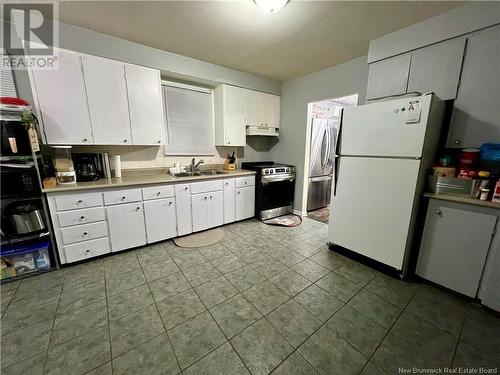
<point x="323" y="127"/>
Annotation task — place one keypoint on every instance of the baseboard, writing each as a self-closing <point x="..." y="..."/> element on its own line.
<point x="300" y="213"/>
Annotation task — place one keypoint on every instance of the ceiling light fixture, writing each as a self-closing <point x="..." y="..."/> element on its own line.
<point x="271" y="6"/>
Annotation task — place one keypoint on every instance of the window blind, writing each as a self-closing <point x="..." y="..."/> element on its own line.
<point x="190" y="122"/>
<point x="7" y="86"/>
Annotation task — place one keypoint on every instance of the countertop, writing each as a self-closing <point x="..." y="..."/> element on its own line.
<point x="144" y="177"/>
<point x="461" y="199"/>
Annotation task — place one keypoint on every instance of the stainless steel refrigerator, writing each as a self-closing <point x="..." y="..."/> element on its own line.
<point x="321" y="160"/>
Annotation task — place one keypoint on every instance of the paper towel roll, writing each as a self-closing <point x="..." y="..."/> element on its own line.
<point x="118" y="166"/>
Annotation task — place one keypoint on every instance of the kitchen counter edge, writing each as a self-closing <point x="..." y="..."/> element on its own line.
<point x="157" y="178"/>
<point x="460" y="199"/>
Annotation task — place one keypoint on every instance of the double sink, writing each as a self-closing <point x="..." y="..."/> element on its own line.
<point x="209" y="172"/>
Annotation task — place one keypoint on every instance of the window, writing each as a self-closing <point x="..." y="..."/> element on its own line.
<point x="190" y="120"/>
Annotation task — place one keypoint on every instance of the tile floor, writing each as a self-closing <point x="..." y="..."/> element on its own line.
<point x="246" y="305"/>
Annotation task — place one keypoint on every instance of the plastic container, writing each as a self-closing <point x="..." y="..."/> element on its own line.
<point x="469" y="157"/>
<point x="17" y="259"/>
<point x="484" y="194"/>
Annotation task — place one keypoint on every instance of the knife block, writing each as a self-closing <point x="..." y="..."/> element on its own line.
<point x="229" y="167"/>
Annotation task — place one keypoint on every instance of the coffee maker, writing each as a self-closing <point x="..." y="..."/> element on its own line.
<point x="88" y="166"/>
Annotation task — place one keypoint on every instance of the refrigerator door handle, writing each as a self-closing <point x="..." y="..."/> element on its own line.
<point x="324" y="148"/>
<point x="336" y="174"/>
<point x="339" y="135"/>
<point x="321" y="178"/>
<point x="326" y="135"/>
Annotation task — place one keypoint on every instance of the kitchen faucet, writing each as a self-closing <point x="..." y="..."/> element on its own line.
<point x="194" y="167"/>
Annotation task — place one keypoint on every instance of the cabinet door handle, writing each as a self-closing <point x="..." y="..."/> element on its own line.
<point x="457" y="142"/>
<point x="79" y="201"/>
<point x="84" y="234"/>
<point x="185" y="189"/>
<point x="87" y="251"/>
<point x="158" y="194"/>
<point x="206" y="198"/>
<point x="169" y="203"/>
<point x="82" y="218"/>
<point x="123" y="198"/>
<point x="138" y="208"/>
<point x="438" y="212"/>
<point x="84" y="140"/>
<point x="238" y="192"/>
<point x="158" y="141"/>
<point x="124" y="141"/>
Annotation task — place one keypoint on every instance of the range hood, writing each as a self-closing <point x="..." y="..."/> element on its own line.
<point x="262" y="131"/>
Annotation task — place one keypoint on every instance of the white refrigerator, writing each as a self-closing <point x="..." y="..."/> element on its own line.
<point x="384" y="153"/>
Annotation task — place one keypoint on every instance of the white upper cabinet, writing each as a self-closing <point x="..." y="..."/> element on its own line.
<point x="476" y="113"/>
<point x="145" y="104"/>
<point x="437" y="69"/>
<point x="62" y="103"/>
<point x="388" y="77"/>
<point x="230" y="116"/>
<point x="262" y="109"/>
<point x="107" y="98"/>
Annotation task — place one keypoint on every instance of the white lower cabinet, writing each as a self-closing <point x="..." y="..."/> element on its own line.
<point x="200" y="213"/>
<point x="215" y="209"/>
<point x="86" y="249"/>
<point x="161" y="221"/>
<point x="207" y="210"/>
<point x="126" y="226"/>
<point x="245" y="202"/>
<point x="89" y="224"/>
<point x="183" y="209"/>
<point x="454" y="246"/>
<point x="229" y="187"/>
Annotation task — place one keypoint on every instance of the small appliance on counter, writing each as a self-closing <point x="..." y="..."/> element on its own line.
<point x="63" y="165"/>
<point x="88" y="166"/>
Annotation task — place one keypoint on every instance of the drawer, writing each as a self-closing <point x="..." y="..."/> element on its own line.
<point x="206" y="186"/>
<point x="84" y="232"/>
<point x="154" y="192"/>
<point x="245" y="181"/>
<point x="86" y="249"/>
<point x="77" y="217"/>
<point x="75" y="201"/>
<point x="122" y="196"/>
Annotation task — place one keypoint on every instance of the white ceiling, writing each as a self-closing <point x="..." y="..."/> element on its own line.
<point x="306" y="36"/>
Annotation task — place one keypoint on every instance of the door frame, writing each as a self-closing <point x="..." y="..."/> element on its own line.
<point x="307" y="147"/>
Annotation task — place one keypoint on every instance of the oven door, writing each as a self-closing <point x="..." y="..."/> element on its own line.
<point x="277" y="195"/>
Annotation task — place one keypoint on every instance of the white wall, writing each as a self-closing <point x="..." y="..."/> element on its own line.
<point x="171" y="65"/>
<point x="341" y="80"/>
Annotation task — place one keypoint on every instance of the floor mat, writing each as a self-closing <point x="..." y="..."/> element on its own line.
<point x="322" y="214"/>
<point x="290" y="220"/>
<point x="206" y="238"/>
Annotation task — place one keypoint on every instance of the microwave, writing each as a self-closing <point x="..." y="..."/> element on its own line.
<point x="19" y="178"/>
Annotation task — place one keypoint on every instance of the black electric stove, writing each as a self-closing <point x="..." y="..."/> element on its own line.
<point x="274" y="188"/>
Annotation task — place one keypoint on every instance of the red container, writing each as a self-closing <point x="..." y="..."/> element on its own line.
<point x="469" y="157"/>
